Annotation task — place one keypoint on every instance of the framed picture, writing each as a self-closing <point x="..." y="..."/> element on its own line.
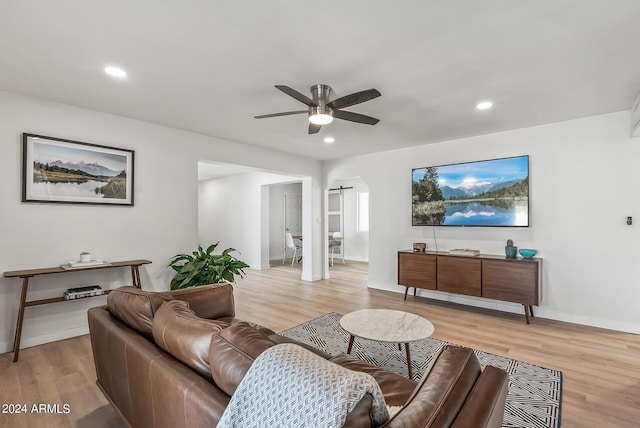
<point x="71" y="172"/>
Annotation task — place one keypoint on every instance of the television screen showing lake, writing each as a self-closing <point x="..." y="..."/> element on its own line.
<point x="485" y="193"/>
<point x="486" y="214"/>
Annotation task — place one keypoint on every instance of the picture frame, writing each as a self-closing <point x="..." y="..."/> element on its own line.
<point x="56" y="170"/>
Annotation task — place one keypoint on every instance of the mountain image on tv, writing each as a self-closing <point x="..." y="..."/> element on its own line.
<point x="484" y="193"/>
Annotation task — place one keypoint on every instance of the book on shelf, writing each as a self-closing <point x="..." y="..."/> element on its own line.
<point x="77" y="264"/>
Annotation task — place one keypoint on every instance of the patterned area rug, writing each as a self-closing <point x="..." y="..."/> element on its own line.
<point x="535" y="393"/>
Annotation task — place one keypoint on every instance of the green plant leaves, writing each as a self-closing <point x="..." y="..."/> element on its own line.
<point x="203" y="267"/>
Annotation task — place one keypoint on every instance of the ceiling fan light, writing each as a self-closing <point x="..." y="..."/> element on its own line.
<point x="321" y="119"/>
<point x="321" y="114"/>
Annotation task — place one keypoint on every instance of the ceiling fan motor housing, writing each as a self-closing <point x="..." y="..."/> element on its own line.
<point x="320" y="94"/>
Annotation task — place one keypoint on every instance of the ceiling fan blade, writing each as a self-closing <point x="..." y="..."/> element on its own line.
<point x="284" y="113"/>
<point x="297" y="95"/>
<point x="353" y="99"/>
<point x="313" y="129"/>
<point x="355" y="117"/>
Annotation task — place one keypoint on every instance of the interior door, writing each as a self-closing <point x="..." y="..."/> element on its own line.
<point x="292" y="214"/>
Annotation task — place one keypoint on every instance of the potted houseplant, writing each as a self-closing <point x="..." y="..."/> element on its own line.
<point x="204" y="267"/>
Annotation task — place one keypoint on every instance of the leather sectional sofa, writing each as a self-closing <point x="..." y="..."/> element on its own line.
<point x="173" y="359"/>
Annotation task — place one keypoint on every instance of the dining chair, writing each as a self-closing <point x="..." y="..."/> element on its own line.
<point x="336" y="242"/>
<point x="290" y="244"/>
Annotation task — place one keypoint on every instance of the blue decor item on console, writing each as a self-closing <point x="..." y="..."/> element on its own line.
<point x="511" y="251"/>
<point x="527" y="253"/>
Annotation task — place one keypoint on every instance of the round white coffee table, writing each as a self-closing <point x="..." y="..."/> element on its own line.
<point x="387" y="325"/>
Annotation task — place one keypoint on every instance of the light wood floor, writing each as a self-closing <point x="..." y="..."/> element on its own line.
<point x="601" y="367"/>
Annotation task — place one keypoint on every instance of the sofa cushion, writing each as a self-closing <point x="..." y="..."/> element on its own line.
<point x="232" y="351"/>
<point x="396" y="388"/>
<point x="265" y="330"/>
<point x="136" y="307"/>
<point x="180" y="332"/>
<point x="212" y="301"/>
<point x="442" y="391"/>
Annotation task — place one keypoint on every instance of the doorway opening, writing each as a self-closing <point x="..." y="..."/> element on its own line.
<point x="234" y="207"/>
<point x="347" y="225"/>
<point x="285" y="217"/>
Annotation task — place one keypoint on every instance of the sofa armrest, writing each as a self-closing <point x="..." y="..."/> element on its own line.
<point x="455" y="392"/>
<point x="208" y="301"/>
<point x="485" y="404"/>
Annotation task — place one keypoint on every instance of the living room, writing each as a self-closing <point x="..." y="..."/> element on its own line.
<point x="582" y="166"/>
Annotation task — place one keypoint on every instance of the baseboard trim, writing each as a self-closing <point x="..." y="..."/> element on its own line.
<point x="28" y="342"/>
<point x="540" y="311"/>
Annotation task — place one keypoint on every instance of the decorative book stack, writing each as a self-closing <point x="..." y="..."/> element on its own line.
<point x="77" y="264"/>
<point x="464" y="252"/>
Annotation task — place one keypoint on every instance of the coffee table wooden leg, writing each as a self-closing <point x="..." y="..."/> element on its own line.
<point x="350" y="344"/>
<point x="409" y="364"/>
<point x="16" y="339"/>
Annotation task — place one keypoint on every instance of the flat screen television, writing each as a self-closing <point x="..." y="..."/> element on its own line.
<point x="484" y="193"/>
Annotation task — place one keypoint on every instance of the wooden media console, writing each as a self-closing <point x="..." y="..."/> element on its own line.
<point x="489" y="276"/>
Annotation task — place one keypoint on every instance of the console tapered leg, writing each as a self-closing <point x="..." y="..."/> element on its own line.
<point x="16" y="339"/>
<point x="526" y="313"/>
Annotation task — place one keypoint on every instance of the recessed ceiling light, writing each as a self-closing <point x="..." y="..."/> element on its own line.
<point x="329" y="140"/>
<point x="484" y="105"/>
<point x="115" y="72"/>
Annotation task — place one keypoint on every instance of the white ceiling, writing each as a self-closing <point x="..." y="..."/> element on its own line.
<point x="208" y="170"/>
<point x="210" y="66"/>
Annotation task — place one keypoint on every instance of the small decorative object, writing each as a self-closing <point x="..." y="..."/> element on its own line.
<point x="71" y="172"/>
<point x="202" y="267"/>
<point x="527" y="253"/>
<point x="509" y="250"/>
<point x="85" y="256"/>
<point x="419" y="247"/>
<point x="464" y="252"/>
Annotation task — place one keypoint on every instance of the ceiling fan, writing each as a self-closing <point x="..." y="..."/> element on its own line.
<point x="321" y="110"/>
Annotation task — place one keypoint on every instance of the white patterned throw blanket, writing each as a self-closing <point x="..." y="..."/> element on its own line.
<point x="288" y="386"/>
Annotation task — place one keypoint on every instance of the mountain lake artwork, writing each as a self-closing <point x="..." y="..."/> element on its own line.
<point x="484" y="193"/>
<point x="57" y="170"/>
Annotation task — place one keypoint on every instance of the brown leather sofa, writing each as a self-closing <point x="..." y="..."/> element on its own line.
<point x="173" y="359"/>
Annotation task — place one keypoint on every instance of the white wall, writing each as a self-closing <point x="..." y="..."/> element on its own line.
<point x="230" y="210"/>
<point x="163" y="222"/>
<point x="583" y="184"/>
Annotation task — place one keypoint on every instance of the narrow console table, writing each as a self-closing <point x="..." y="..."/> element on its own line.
<point x="30" y="273"/>
<point x="490" y="276"/>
